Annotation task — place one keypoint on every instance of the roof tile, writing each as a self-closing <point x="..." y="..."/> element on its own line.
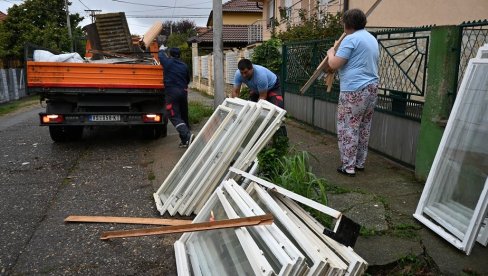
<point x="240" y="6"/>
<point x="230" y="33"/>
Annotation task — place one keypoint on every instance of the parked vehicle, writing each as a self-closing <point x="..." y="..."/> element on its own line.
<point x="120" y="85"/>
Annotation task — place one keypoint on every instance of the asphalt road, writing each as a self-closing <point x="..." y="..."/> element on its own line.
<point x="110" y="172"/>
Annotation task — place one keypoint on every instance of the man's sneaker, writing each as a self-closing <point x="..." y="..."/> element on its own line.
<point x="187" y="143"/>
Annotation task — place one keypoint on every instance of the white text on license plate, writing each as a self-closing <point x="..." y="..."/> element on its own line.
<point x="104" y="118"/>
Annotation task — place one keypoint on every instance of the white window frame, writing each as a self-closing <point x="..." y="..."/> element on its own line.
<point x="320" y="264"/>
<point x="221" y="142"/>
<point x="463" y="241"/>
<point x="222" y="158"/>
<point x="171" y="184"/>
<point x="271" y="128"/>
<point x="306" y="201"/>
<point x="356" y="264"/>
<point x="290" y="257"/>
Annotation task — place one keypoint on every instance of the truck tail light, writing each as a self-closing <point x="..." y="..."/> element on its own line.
<point x="52" y="118"/>
<point x="151" y="118"/>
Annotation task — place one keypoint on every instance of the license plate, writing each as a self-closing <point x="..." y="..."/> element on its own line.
<point x="105" y="118"/>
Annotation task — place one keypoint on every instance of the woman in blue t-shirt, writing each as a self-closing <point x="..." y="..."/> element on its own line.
<point x="357" y="61"/>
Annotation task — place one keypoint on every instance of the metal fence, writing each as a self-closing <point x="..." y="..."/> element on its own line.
<point x="473" y="36"/>
<point x="12" y="84"/>
<point x="402" y="70"/>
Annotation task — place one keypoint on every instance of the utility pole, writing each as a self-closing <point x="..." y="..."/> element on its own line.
<point x="92" y="14"/>
<point x="219" y="95"/>
<point x="68" y="23"/>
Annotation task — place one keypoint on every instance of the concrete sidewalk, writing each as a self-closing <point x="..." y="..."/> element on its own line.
<point x="382" y="198"/>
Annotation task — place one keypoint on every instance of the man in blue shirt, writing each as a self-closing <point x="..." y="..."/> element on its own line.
<point x="262" y="83"/>
<point x="357" y="61"/>
<point x="176" y="79"/>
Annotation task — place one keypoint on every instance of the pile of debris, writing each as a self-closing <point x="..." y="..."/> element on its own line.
<point x="109" y="42"/>
<point x="214" y="179"/>
<point x="294" y="245"/>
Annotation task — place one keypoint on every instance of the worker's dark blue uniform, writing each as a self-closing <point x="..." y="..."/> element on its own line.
<point x="176" y="79"/>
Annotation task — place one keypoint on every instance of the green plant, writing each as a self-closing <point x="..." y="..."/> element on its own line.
<point x="151" y="176"/>
<point x="269" y="156"/>
<point x="244" y="93"/>
<point x="317" y="25"/>
<point x="367" y="232"/>
<point x="293" y="172"/>
<point x="268" y="55"/>
<point x="198" y="111"/>
<point x="407" y="231"/>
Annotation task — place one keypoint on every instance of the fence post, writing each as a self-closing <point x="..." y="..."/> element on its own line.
<point x="315" y="63"/>
<point x="13" y="83"/>
<point x="283" y="69"/>
<point x="4" y="88"/>
<point x="442" y="71"/>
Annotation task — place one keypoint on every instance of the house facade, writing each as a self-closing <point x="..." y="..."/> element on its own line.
<point x="387" y="13"/>
<point x="239" y="18"/>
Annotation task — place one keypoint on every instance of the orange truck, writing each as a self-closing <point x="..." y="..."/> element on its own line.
<point x="78" y="95"/>
<point x="97" y="93"/>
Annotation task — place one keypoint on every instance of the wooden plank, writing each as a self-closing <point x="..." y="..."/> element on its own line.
<point x="322" y="68"/>
<point x="202" y="226"/>
<point x="128" y="220"/>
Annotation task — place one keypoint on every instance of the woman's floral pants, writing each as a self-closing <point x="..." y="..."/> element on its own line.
<point x="354" y="115"/>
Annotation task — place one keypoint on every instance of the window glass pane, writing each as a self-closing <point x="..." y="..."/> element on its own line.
<point x="221" y="247"/>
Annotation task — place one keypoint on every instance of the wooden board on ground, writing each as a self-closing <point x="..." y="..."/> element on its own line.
<point x="220" y="224"/>
<point x="129" y="220"/>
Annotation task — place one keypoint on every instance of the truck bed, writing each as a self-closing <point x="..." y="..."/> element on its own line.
<point x="93" y="75"/>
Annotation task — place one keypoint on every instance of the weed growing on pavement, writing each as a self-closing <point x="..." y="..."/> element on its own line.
<point x="14" y="105"/>
<point x="367" y="232"/>
<point x="198" y="111"/>
<point x="407" y="231"/>
<point x="414" y="265"/>
<point x="292" y="171"/>
<point x="151" y="176"/>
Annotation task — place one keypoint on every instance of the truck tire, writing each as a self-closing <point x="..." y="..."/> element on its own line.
<point x="152" y="132"/>
<point x="65" y="133"/>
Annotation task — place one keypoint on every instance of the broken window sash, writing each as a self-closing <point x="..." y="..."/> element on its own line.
<point x="356" y="264"/>
<point x="253" y="251"/>
<point x="317" y="261"/>
<point x="454" y="199"/>
<point x="286" y="247"/>
<point x="306" y="201"/>
<point x="215" y="125"/>
<point x="262" y="135"/>
<point x="262" y="122"/>
<point x="219" y="161"/>
<point x="216" y="252"/>
<point x="272" y="240"/>
<point x="186" y="175"/>
<point x="264" y="139"/>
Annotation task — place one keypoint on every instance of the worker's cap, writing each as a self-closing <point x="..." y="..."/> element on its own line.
<point x="174" y="52"/>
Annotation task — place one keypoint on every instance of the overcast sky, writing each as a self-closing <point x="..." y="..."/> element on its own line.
<point x="141" y="14"/>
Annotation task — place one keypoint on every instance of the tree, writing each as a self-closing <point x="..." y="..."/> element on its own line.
<point x="178" y="34"/>
<point x="40" y="22"/>
<point x="314" y="27"/>
<point x="268" y="55"/>
<point x="184" y="26"/>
